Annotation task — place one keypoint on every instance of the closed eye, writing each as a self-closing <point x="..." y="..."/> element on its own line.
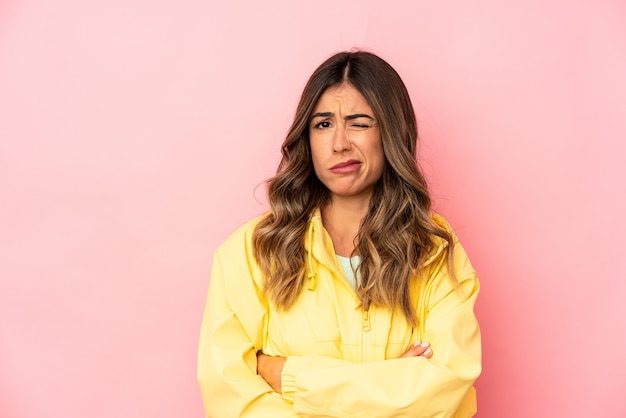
<point x="360" y="121"/>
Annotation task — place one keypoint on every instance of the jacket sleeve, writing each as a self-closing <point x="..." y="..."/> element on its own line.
<point x="410" y="387"/>
<point x="231" y="334"/>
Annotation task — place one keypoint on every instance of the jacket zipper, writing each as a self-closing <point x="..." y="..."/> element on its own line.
<point x="366" y="328"/>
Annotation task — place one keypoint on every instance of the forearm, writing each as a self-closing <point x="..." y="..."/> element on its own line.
<point x="415" y="387"/>
<point x="227" y="361"/>
<point x="270" y="368"/>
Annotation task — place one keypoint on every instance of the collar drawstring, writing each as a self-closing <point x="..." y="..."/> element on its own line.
<point x="311" y="275"/>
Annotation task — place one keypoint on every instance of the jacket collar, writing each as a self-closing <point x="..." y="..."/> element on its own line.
<point x="319" y="246"/>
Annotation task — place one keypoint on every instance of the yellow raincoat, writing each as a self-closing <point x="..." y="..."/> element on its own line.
<point x="341" y="361"/>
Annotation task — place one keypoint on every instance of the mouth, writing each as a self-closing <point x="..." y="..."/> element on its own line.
<point x="345" y="167"/>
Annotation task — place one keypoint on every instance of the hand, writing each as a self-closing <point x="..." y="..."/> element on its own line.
<point x="418" y="349"/>
<point x="270" y="368"/>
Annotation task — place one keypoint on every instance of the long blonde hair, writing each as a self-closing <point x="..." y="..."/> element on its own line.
<point x="395" y="236"/>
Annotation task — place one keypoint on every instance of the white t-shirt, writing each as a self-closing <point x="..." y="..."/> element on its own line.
<point x="347" y="263"/>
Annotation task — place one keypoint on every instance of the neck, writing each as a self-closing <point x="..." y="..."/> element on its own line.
<point x="342" y="219"/>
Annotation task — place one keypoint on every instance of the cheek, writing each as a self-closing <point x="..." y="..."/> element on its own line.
<point x="315" y="158"/>
<point x="378" y="157"/>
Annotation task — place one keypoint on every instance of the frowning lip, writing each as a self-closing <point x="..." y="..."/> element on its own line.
<point x="345" y="167"/>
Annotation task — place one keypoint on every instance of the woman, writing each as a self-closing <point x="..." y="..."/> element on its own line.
<point x="349" y="298"/>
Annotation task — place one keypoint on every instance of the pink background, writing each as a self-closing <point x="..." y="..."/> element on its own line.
<point x="135" y="135"/>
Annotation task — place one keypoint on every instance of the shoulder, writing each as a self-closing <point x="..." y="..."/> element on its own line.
<point x="234" y="263"/>
<point x="241" y="238"/>
<point x="438" y="262"/>
<point x="440" y="245"/>
<point x="442" y="222"/>
<point x="461" y="260"/>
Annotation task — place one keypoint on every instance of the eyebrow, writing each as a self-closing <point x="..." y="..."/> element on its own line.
<point x="347" y="117"/>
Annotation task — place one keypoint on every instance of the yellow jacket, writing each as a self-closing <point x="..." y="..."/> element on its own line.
<point x="341" y="361"/>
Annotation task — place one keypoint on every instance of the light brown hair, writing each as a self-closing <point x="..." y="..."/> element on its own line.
<point x="395" y="237"/>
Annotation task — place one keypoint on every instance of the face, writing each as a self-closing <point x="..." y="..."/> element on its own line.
<point x="346" y="146"/>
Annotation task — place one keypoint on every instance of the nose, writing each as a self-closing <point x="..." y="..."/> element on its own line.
<point x="340" y="141"/>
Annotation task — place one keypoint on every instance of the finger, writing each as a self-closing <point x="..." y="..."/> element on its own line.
<point x="428" y="353"/>
<point x="417" y="349"/>
<point x="421" y="347"/>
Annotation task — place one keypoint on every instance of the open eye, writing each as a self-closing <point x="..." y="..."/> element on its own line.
<point x="324" y="124"/>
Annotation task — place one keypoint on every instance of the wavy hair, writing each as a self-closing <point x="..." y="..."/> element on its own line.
<point x="395" y="236"/>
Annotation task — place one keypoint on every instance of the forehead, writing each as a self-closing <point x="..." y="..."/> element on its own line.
<point x="342" y="97"/>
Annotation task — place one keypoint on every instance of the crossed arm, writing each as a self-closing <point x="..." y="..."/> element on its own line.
<point x="270" y="368"/>
<point x="237" y="380"/>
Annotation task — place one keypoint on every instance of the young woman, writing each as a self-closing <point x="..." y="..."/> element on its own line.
<point x="349" y="297"/>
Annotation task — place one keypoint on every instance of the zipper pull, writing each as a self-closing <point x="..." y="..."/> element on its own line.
<point x="311" y="277"/>
<point x="366" y="321"/>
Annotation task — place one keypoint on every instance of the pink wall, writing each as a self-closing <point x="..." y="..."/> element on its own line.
<point x="134" y="133"/>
